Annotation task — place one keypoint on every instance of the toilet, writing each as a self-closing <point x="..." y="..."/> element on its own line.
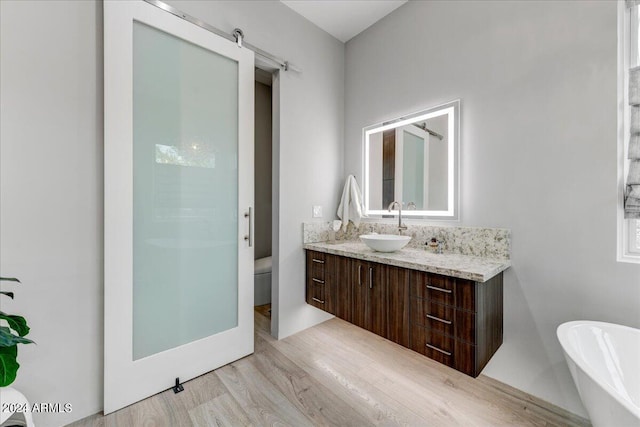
<point x="262" y="281"/>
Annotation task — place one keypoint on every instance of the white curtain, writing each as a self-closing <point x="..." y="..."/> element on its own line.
<point x="632" y="188"/>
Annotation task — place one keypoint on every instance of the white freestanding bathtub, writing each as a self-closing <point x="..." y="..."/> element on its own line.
<point x="604" y="360"/>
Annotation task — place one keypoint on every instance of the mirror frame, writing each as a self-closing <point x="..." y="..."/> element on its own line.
<point x="452" y="109"/>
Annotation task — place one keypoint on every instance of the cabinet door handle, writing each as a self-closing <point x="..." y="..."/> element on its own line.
<point x="433" y="347"/>
<point x="370" y="278"/>
<point x="446" y="291"/>
<point x="249" y="237"/>
<point x="359" y="275"/>
<point x="317" y="300"/>
<point x="318" y="281"/>
<point x="448" y="322"/>
<point x="319" y="261"/>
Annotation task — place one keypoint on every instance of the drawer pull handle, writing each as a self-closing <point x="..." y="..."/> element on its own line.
<point x="448" y="322"/>
<point x="318" y="281"/>
<point x="370" y="278"/>
<point x="317" y="300"/>
<point x="319" y="261"/>
<point x="446" y="291"/>
<point x="433" y="347"/>
<point x="359" y="275"/>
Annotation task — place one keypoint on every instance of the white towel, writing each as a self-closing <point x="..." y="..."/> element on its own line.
<point x="351" y="207"/>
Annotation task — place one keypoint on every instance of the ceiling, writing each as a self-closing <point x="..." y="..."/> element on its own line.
<point x="344" y="19"/>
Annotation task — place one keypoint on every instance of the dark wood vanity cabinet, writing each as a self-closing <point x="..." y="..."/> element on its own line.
<point x="454" y="321"/>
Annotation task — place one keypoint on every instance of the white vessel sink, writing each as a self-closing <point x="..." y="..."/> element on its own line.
<point x="385" y="242"/>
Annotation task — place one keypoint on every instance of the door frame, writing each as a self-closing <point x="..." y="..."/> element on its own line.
<point x="125" y="380"/>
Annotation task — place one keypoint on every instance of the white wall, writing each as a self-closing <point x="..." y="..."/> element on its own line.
<point x="51" y="193"/>
<point x="51" y="197"/>
<point x="538" y="154"/>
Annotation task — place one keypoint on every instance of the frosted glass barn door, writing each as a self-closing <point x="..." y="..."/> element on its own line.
<point x="178" y="182"/>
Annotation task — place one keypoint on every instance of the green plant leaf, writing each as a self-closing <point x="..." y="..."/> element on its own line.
<point x="10" y="279"/>
<point x="9" y="294"/>
<point x="8" y="365"/>
<point x="17" y="323"/>
<point x="7" y="339"/>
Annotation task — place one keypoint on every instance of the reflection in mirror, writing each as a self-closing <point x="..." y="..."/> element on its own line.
<point x="413" y="159"/>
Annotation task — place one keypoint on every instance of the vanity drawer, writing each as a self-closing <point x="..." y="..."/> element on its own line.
<point x="446" y="350"/>
<point x="438" y="317"/>
<point x="443" y="318"/>
<point x="316" y="263"/>
<point x="316" y="295"/>
<point x="432" y="344"/>
<point x="459" y="293"/>
<point x="316" y="283"/>
<point x="433" y="286"/>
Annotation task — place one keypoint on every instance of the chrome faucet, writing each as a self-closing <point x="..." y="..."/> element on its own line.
<point x="400" y="225"/>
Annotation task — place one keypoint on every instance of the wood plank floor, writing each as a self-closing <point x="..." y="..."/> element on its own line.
<point x="336" y="374"/>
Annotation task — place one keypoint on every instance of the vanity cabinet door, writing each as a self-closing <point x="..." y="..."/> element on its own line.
<point x="330" y="268"/>
<point x="359" y="292"/>
<point x="369" y="296"/>
<point x="398" y="307"/>
<point x="341" y="278"/>
<point x="377" y="305"/>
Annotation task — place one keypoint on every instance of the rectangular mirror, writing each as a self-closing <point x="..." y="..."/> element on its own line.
<point x="414" y="160"/>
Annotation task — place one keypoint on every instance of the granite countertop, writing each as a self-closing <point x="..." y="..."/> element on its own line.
<point x="469" y="267"/>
